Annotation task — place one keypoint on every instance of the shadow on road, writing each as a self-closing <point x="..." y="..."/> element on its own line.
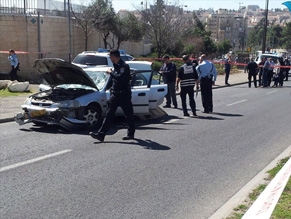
<point x="227" y="114"/>
<point x="208" y="118"/>
<point x="146" y="144"/>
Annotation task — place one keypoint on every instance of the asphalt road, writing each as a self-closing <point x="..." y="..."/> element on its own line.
<point x="177" y="168"/>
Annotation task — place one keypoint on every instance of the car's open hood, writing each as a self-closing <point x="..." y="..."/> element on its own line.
<point x="58" y="71"/>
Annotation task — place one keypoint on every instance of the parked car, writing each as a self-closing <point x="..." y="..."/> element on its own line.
<point x="78" y="98"/>
<point x="274" y="57"/>
<point x="97" y="58"/>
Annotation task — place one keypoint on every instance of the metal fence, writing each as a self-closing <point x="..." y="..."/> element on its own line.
<point x="44" y="7"/>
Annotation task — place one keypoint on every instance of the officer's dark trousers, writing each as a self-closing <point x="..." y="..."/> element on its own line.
<point x="265" y="78"/>
<point x="281" y="78"/>
<point x="260" y="77"/>
<point x="250" y="76"/>
<point x="124" y="101"/>
<point x="171" y="95"/>
<point x="270" y="76"/>
<point x="13" y="74"/>
<point x="227" y="72"/>
<point x="206" y="94"/>
<point x="183" y="93"/>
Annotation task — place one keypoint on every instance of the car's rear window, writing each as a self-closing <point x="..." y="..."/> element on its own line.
<point x="90" y="60"/>
<point x="274" y="58"/>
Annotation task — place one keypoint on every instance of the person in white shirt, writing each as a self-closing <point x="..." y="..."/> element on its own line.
<point x="207" y="76"/>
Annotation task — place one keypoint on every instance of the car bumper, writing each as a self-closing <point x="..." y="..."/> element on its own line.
<point x="50" y="116"/>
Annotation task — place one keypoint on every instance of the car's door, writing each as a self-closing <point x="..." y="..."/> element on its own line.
<point x="157" y="90"/>
<point x="139" y="95"/>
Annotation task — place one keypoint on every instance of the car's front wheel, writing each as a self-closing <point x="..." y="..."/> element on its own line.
<point x="92" y="115"/>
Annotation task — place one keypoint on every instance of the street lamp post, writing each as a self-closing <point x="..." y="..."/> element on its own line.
<point x="265" y="27"/>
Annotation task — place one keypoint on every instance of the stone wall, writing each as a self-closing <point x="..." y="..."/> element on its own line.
<point x="20" y="32"/>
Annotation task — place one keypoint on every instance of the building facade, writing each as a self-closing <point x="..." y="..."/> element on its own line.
<point x="229" y="26"/>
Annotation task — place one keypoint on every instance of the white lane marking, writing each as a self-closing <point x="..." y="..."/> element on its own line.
<point x="172" y="121"/>
<point x="236" y="102"/>
<point x="2" y="169"/>
<point x="274" y="91"/>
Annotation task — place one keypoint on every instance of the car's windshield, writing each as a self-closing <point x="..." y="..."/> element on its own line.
<point x="99" y="77"/>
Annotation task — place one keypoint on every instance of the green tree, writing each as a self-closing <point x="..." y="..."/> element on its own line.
<point x="256" y="35"/>
<point x="286" y="33"/>
<point x="198" y="38"/>
<point x="209" y="45"/>
<point x="128" y="28"/>
<point x="224" y="47"/>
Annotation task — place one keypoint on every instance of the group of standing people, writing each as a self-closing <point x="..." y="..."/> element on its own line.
<point x="191" y="73"/>
<point x="268" y="70"/>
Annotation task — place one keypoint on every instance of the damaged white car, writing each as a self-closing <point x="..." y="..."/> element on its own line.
<point x="78" y="97"/>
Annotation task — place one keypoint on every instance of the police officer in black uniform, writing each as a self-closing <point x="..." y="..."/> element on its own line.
<point x="252" y="68"/>
<point x="120" y="95"/>
<point x="187" y="77"/>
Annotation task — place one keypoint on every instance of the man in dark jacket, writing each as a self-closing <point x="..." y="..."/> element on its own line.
<point x="168" y="70"/>
<point x="252" y="68"/>
<point x="227" y="67"/>
<point x="120" y="95"/>
<point x="187" y="77"/>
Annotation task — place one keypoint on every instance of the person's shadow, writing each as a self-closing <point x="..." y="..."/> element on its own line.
<point x="146" y="144"/>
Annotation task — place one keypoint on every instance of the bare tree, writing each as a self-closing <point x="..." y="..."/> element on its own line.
<point x="82" y="18"/>
<point x="165" y="25"/>
<point x="102" y="17"/>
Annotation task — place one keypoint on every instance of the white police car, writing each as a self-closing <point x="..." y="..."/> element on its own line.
<point x="98" y="58"/>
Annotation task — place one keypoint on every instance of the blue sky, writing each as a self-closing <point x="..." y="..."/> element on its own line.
<point x="196" y="4"/>
<point x="192" y="4"/>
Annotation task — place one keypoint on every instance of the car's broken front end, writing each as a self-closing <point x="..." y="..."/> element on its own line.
<point x="56" y="106"/>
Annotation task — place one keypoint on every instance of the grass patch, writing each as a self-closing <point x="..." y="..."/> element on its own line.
<point x="6" y="93"/>
<point x="283" y="207"/>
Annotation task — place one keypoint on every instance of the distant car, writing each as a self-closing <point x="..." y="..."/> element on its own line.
<point x="274" y="57"/>
<point x="78" y="97"/>
<point x="97" y="58"/>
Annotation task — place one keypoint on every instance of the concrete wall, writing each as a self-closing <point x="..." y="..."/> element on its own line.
<point x="20" y="32"/>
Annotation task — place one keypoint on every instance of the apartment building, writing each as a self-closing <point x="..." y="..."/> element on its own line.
<point x="230" y="26"/>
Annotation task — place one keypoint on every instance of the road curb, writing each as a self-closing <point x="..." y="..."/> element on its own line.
<point x="238" y="198"/>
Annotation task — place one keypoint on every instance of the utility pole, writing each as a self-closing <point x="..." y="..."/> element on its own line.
<point x="70" y="31"/>
<point x="265" y="27"/>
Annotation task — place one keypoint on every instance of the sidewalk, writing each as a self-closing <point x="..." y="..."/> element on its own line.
<point x="10" y="106"/>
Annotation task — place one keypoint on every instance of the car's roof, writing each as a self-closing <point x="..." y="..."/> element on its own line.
<point x="96" y="53"/>
<point x="270" y="55"/>
<point x="134" y="65"/>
